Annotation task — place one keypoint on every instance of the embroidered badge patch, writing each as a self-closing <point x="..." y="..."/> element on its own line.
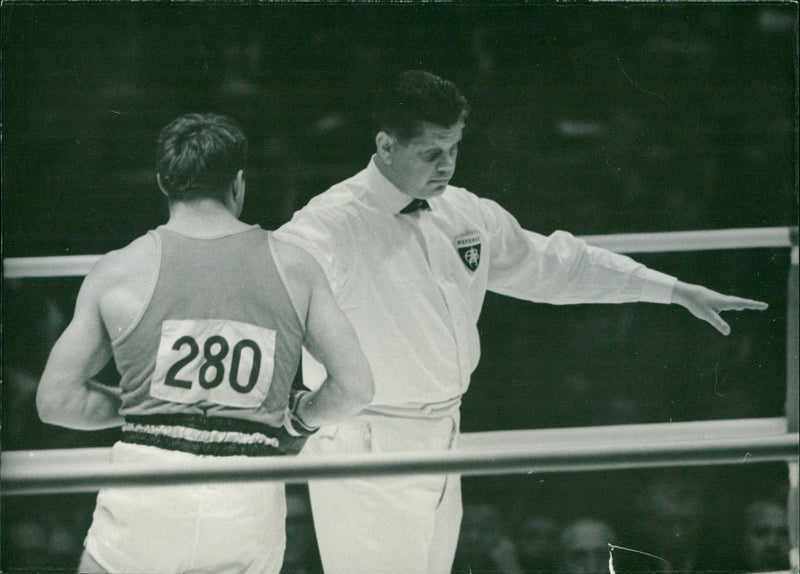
<point x="469" y="249"/>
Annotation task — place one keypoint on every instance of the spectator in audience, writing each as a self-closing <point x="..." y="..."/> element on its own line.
<point x="666" y="524"/>
<point x="43" y="533"/>
<point x="535" y="539"/>
<point x="26" y="543"/>
<point x="32" y="321"/>
<point x="583" y="547"/>
<point x="483" y="545"/>
<point x="765" y="537"/>
<point x="34" y="315"/>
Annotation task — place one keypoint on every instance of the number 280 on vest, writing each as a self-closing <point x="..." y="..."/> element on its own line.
<point x="223" y="362"/>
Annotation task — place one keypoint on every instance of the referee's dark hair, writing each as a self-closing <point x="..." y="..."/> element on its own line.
<point x="413" y="97"/>
<point x="199" y="155"/>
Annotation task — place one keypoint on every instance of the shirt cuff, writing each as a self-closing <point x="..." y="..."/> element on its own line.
<point x="656" y="286"/>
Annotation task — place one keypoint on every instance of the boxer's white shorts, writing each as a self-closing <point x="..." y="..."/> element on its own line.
<point x="221" y="528"/>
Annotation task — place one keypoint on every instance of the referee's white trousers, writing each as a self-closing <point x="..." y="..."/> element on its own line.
<point x="395" y="524"/>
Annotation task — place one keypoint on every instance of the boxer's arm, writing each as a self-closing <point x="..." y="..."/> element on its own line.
<point x="66" y="395"/>
<point x="331" y="339"/>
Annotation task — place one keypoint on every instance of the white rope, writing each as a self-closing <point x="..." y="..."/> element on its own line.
<point x="694" y="240"/>
<point x="639" y="433"/>
<point x="54" y="266"/>
<point x="641" y="446"/>
<point x="79" y="265"/>
<point x="497" y="440"/>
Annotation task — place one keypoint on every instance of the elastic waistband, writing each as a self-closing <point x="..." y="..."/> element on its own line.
<point x="201" y="435"/>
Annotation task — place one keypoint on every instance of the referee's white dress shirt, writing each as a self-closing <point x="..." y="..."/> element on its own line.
<point x="413" y="284"/>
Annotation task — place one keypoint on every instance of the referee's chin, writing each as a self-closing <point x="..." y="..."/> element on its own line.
<point x="434" y="190"/>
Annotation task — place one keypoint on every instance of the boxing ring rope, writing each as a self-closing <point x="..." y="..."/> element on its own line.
<point x="551" y="450"/>
<point x="78" y="265"/>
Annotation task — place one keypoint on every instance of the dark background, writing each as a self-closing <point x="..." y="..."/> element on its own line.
<point x="610" y="118"/>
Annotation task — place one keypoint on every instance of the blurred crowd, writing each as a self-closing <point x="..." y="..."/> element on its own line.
<point x="628" y="118"/>
<point x="663" y="522"/>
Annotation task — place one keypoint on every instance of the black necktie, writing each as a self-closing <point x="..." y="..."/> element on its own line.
<point x="415" y="205"/>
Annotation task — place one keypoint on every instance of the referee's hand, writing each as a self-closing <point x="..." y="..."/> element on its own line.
<point x="707" y="305"/>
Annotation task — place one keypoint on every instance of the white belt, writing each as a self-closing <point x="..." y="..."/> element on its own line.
<point x="417" y="410"/>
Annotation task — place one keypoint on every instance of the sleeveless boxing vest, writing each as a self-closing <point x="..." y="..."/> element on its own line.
<point x="218" y="339"/>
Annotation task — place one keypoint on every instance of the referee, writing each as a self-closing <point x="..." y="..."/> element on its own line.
<point x="410" y="258"/>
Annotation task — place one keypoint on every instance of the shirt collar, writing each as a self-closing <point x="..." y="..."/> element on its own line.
<point x="384" y="195"/>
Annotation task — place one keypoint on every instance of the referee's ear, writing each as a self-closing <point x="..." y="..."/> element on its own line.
<point x="384" y="144"/>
